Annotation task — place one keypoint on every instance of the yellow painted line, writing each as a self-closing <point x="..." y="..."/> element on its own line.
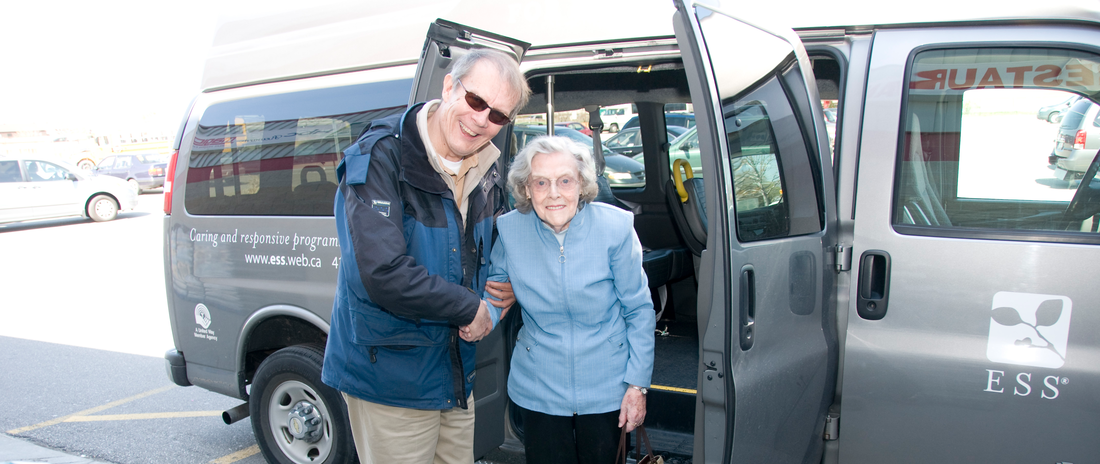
<point x="673" y="389"/>
<point x="231" y="458"/>
<point x="89" y="411"/>
<point x="150" y="415"/>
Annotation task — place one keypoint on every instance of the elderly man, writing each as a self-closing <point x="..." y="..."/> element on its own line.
<point x="419" y="194"/>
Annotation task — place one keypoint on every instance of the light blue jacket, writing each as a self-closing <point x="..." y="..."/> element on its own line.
<point x="588" y="318"/>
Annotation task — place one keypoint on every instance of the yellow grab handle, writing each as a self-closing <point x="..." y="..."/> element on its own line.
<point x="676" y="167"/>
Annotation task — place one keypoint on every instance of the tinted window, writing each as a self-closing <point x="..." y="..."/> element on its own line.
<point x="973" y="157"/>
<point x="773" y="181"/>
<point x="277" y="155"/>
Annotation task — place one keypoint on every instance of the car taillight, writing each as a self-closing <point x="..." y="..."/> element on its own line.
<point x="156" y="171"/>
<point x="1079" y="141"/>
<point x="168" y="183"/>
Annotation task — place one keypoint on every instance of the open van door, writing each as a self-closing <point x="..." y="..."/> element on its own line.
<point x="768" y="347"/>
<point x="447" y="41"/>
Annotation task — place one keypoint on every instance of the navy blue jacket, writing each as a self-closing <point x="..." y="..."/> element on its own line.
<point x="410" y="273"/>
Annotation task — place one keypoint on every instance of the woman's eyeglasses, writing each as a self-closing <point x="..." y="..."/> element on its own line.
<point x="478" y="104"/>
<point x="565" y="184"/>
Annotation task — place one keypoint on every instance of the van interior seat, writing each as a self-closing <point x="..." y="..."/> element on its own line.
<point x="687" y="201"/>
<point x="920" y="204"/>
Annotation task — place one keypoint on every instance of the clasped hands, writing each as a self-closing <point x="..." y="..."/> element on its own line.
<point x="482" y="323"/>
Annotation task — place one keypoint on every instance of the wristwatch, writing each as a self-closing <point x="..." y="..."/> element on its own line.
<point x="644" y="390"/>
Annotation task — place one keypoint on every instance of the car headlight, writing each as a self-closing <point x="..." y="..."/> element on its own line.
<point x="611" y="175"/>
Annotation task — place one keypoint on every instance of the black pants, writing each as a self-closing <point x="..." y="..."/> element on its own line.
<point x="583" y="439"/>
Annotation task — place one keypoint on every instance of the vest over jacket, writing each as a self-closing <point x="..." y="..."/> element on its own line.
<point x="410" y="272"/>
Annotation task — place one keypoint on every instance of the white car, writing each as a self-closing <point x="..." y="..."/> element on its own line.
<point x="35" y="189"/>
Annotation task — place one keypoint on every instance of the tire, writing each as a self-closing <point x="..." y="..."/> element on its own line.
<point x="86" y="164"/>
<point x="614" y="127"/>
<point x="102" y="208"/>
<point x="288" y="385"/>
<point x="134" y="185"/>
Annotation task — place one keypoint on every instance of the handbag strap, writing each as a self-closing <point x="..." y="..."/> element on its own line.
<point x="645" y="438"/>
<point x="620" y="455"/>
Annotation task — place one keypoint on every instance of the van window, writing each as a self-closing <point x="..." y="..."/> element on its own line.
<point x="277" y="155"/>
<point x="773" y="182"/>
<point x="974" y="156"/>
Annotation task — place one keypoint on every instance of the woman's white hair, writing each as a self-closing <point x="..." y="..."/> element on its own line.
<point x="520" y="172"/>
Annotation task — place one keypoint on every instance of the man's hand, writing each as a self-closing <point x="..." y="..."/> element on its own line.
<point x="479" y="327"/>
<point x="503" y="292"/>
<point x="632" y="412"/>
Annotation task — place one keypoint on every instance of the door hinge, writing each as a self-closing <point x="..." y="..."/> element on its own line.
<point x="832" y="426"/>
<point x="841" y="256"/>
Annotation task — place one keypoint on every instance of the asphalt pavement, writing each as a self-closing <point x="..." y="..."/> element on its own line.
<point x="17" y="451"/>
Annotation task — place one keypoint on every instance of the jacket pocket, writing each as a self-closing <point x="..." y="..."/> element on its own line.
<point x="525" y="342"/>
<point x="378" y="328"/>
<point x="618" y="340"/>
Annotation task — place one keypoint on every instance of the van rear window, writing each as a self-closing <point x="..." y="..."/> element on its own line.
<point x="277" y="155"/>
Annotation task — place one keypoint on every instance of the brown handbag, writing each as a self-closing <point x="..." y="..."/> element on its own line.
<point x="649" y="458"/>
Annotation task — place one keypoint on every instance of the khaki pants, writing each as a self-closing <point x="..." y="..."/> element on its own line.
<point x="387" y="434"/>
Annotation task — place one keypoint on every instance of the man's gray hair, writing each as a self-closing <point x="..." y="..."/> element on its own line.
<point x="505" y="65"/>
<point x="519" y="174"/>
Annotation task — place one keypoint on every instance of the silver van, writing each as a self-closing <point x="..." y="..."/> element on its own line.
<point x="911" y="296"/>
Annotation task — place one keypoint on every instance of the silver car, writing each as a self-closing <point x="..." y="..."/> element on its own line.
<point x="34" y="189"/>
<point x="1078" y="140"/>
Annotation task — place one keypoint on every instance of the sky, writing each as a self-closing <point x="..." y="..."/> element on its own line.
<point x="109" y="65"/>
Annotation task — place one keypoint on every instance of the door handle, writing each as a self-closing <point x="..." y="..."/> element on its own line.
<point x="747" y="308"/>
<point x="874" y="284"/>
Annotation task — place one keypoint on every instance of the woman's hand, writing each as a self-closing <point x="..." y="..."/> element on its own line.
<point x="501" y="291"/>
<point x="632" y="412"/>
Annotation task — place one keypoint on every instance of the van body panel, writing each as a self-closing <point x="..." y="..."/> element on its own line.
<point x="930" y="366"/>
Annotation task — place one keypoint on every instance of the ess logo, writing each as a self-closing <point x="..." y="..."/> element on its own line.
<point x="1029" y="329"/>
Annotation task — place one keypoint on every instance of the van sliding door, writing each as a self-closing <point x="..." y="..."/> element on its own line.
<point x="767" y="353"/>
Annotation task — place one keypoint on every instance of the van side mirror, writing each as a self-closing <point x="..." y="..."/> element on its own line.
<point x="1086" y="202"/>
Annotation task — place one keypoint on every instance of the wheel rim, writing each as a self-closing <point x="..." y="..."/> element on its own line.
<point x="134" y="185"/>
<point x="285" y="411"/>
<point x="104" y="208"/>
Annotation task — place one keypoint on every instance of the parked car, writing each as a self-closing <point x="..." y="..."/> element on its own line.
<point x="620" y="171"/>
<point x="575" y="126"/>
<point x="142" y="171"/>
<point x="35" y="189"/>
<point x="615" y="117"/>
<point x="1077" y="141"/>
<point x="684" y="120"/>
<point x="629" y="141"/>
<point x="1054" y="113"/>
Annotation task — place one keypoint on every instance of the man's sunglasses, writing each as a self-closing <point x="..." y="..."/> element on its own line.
<point x="478" y="104"/>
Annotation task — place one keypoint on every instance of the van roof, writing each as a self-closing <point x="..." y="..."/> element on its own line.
<point x="354" y="35"/>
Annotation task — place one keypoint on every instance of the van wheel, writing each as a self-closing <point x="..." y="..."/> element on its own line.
<point x="296" y="418"/>
<point x="614" y="127"/>
<point x="102" y="208"/>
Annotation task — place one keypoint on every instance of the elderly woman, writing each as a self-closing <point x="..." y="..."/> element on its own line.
<point x="584" y="357"/>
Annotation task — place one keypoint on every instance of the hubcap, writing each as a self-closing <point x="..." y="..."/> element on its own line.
<point x="304" y="422"/>
<point x="300" y="422"/>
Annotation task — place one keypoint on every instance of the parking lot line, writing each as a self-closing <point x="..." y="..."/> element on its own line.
<point x="89" y="411"/>
<point x="231" y="458"/>
<point x="149" y="415"/>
